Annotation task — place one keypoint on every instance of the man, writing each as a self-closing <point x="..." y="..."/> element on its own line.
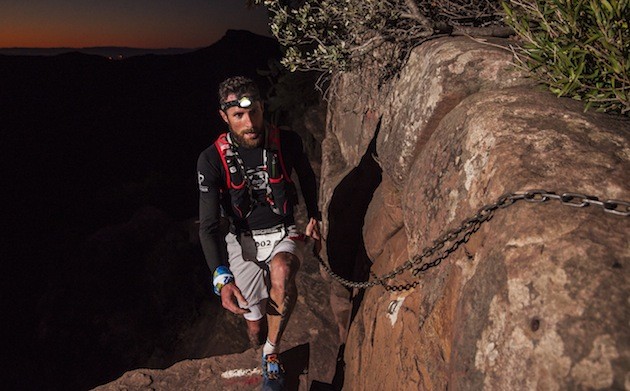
<point x="246" y="176"/>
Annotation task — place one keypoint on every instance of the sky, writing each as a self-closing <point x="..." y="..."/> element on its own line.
<point x="132" y="23"/>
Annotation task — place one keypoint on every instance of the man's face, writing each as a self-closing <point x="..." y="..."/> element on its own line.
<point x="246" y="124"/>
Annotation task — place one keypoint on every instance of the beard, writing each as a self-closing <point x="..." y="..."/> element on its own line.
<point x="245" y="139"/>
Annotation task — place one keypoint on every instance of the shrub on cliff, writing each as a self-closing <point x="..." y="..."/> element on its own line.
<point x="579" y="49"/>
<point x="338" y="35"/>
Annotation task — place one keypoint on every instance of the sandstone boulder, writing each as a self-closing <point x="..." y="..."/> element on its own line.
<point x="537" y="298"/>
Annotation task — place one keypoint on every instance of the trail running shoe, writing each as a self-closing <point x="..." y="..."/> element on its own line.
<point x="273" y="373"/>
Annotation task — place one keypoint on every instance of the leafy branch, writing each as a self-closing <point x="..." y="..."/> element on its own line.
<point x="339" y="35"/>
<point x="579" y="48"/>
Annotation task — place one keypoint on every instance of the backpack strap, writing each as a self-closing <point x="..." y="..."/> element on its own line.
<point x="233" y="177"/>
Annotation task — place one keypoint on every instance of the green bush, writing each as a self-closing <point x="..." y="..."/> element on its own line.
<point x="579" y="48"/>
<point x="340" y="35"/>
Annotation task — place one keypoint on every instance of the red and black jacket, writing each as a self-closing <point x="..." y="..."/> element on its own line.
<point x="215" y="194"/>
<point x="280" y="187"/>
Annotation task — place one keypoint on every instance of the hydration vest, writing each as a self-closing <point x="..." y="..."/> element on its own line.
<point x="279" y="185"/>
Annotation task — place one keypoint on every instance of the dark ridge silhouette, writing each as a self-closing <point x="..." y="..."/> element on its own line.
<point x="105" y="51"/>
<point x="87" y="142"/>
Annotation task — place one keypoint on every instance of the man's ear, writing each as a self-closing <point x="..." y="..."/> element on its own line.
<point x="224" y="116"/>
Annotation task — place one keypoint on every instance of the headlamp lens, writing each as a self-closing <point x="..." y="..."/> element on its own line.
<point x="242" y="102"/>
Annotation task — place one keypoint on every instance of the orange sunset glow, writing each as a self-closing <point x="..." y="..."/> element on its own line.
<point x="131" y="23"/>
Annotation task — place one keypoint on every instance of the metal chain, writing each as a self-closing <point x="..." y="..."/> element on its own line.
<point x="456" y="237"/>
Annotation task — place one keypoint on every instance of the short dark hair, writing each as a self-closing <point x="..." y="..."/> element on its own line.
<point x="239" y="86"/>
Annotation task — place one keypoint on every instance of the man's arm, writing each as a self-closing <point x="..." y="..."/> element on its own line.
<point x="308" y="184"/>
<point x="209" y="213"/>
<point x="308" y="181"/>
<point x="212" y="241"/>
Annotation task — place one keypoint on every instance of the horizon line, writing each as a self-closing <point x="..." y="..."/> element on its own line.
<point x="136" y="47"/>
<point x="101" y="47"/>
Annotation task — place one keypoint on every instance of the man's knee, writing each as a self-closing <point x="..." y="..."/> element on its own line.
<point x="254" y="327"/>
<point x="283" y="268"/>
<point x="285" y="264"/>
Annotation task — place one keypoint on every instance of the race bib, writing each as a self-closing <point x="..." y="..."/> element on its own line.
<point x="261" y="242"/>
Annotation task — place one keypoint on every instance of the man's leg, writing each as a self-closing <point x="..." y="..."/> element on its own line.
<point x="282" y="297"/>
<point x="250" y="279"/>
<point x="257" y="332"/>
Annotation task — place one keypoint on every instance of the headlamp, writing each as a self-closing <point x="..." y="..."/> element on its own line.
<point x="243" y="102"/>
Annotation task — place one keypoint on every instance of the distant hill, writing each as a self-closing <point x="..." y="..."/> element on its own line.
<point x="112" y="52"/>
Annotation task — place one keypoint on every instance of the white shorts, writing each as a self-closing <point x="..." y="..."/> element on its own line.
<point x="251" y="275"/>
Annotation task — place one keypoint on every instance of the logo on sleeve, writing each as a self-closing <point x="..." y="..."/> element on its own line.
<point x="200" y="179"/>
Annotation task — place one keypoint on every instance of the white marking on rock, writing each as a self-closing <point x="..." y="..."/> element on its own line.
<point x="479" y="143"/>
<point x="393" y="308"/>
<point x="232" y="373"/>
<point x="453" y="198"/>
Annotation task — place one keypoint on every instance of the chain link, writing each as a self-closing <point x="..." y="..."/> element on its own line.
<point x="460" y="235"/>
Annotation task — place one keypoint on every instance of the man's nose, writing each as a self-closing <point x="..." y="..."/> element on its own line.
<point x="248" y="120"/>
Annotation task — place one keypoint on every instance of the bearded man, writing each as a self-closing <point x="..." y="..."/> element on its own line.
<point x="245" y="177"/>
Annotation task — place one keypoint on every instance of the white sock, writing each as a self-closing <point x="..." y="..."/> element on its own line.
<point x="270" y="348"/>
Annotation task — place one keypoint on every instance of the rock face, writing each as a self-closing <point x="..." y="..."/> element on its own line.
<point x="537" y="297"/>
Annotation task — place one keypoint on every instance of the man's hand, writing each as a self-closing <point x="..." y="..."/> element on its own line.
<point x="312" y="230"/>
<point x="230" y="297"/>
